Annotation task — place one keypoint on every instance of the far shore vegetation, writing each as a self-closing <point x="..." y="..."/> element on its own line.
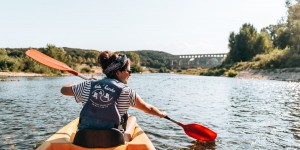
<point x="273" y="47"/>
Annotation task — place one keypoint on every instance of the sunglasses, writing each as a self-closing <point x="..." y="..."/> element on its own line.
<point x="129" y="71"/>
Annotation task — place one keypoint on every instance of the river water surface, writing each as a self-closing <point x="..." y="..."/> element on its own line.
<point x="246" y="113"/>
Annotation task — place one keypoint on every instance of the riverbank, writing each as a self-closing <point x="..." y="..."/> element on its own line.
<point x="5" y="75"/>
<point x="286" y="74"/>
<point x="20" y="74"/>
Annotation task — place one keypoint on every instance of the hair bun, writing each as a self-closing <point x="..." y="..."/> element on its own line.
<point x="103" y="59"/>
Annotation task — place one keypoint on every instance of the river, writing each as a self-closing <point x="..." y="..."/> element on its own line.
<point x="246" y="113"/>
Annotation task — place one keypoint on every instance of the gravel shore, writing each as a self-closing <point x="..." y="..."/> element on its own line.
<point x="20" y="74"/>
<point x="286" y="74"/>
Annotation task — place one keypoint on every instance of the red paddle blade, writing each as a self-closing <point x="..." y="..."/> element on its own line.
<point x="48" y="61"/>
<point x="199" y="132"/>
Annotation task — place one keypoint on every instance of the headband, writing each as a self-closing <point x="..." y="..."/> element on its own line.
<point x="116" y="64"/>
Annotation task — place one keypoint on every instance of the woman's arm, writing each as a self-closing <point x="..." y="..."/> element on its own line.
<point x="147" y="108"/>
<point x="67" y="89"/>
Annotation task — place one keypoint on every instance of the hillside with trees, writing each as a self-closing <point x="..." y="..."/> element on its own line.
<point x="15" y="60"/>
<point x="152" y="59"/>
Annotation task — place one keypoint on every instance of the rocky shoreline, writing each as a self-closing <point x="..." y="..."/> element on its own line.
<point x="20" y="74"/>
<point x="286" y="74"/>
<point x="4" y="76"/>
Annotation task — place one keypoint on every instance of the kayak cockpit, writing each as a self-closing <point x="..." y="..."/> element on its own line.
<point x="64" y="138"/>
<point x="106" y="138"/>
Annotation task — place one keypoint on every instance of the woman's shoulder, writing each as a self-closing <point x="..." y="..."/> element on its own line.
<point x="127" y="89"/>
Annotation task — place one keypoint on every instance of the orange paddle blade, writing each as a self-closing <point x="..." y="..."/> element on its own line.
<point x="48" y="61"/>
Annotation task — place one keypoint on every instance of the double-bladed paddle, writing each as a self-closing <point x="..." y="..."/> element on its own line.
<point x="196" y="131"/>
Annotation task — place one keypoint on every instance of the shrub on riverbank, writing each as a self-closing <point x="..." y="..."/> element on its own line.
<point x="213" y="72"/>
<point x="275" y="59"/>
<point x="189" y="71"/>
<point x="136" y="68"/>
<point x="86" y="70"/>
<point x="230" y="73"/>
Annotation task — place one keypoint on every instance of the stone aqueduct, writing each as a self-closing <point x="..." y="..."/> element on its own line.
<point x="195" y="60"/>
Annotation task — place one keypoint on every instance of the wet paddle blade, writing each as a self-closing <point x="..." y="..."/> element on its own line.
<point x="48" y="61"/>
<point x="196" y="131"/>
<point x="199" y="132"/>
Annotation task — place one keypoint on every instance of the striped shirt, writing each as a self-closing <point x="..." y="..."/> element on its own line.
<point x="127" y="97"/>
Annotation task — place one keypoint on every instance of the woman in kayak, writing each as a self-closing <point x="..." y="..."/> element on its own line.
<point x="106" y="101"/>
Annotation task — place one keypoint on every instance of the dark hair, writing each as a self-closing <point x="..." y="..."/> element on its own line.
<point x="106" y="58"/>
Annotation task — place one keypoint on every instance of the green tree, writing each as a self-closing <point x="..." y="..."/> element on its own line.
<point x="134" y="57"/>
<point x="280" y="35"/>
<point x="3" y="52"/>
<point x="81" y="60"/>
<point x="293" y="24"/>
<point x="248" y="43"/>
<point x="55" y="52"/>
<point x="241" y="45"/>
<point x="93" y="61"/>
<point x="3" y="60"/>
<point x="68" y="60"/>
<point x="91" y="54"/>
<point x="263" y="44"/>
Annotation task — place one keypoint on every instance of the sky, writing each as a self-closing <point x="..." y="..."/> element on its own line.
<point x="172" y="26"/>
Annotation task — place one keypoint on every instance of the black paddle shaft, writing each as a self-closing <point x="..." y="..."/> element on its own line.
<point x="178" y="123"/>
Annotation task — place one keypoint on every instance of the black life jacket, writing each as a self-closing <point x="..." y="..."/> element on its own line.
<point x="100" y="111"/>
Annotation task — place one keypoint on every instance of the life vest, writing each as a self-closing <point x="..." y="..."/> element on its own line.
<point x="100" y="111"/>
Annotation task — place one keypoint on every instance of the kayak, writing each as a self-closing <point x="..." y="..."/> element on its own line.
<point x="63" y="140"/>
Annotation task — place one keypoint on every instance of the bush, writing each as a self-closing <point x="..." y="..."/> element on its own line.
<point x="86" y="70"/>
<point x="213" y="72"/>
<point x="231" y="73"/>
<point x="136" y="68"/>
<point x="163" y="69"/>
<point x="275" y="59"/>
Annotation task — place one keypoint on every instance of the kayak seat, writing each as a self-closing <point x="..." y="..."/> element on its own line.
<point x="99" y="138"/>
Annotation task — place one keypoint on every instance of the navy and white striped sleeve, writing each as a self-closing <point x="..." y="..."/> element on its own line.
<point x="127" y="98"/>
<point x="128" y="94"/>
<point x="81" y="91"/>
<point x="132" y="97"/>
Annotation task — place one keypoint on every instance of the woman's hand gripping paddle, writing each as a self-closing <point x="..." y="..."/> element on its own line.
<point x="52" y="63"/>
<point x="196" y="131"/>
